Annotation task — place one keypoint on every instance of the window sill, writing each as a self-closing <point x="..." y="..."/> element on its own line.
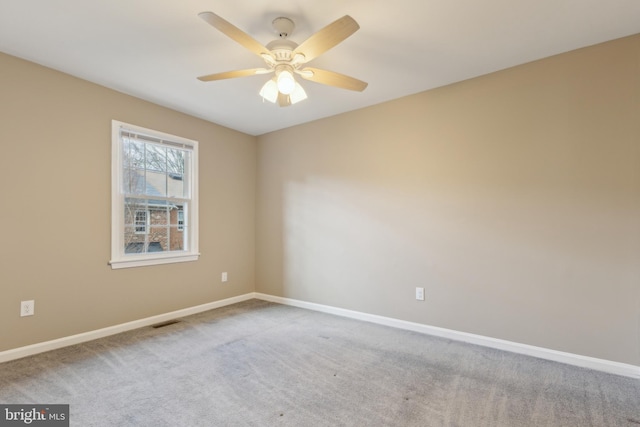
<point x="147" y="261"/>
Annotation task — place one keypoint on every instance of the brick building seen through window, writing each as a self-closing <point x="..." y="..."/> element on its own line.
<point x="154" y="225"/>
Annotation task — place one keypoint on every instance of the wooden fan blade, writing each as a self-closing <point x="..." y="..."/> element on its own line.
<point x="327" y="38"/>
<point x="283" y="100"/>
<point x="233" y="74"/>
<point x="234" y="33"/>
<point x="333" y="79"/>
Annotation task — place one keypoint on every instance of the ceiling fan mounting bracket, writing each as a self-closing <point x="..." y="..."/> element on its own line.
<point x="283" y="26"/>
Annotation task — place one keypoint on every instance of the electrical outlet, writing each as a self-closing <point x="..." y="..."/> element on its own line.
<point x="27" y="308"/>
<point x="225" y="277"/>
<point x="420" y="294"/>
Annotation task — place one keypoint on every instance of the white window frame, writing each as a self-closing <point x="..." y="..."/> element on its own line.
<point x="120" y="259"/>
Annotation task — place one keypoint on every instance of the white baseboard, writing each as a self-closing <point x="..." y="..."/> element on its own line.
<point x="529" y="350"/>
<point x="30" y="350"/>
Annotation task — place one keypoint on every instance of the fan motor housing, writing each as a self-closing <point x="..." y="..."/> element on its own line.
<point x="282" y="49"/>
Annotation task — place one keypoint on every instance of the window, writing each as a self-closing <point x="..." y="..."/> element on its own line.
<point x="180" y="220"/>
<point x="154" y="197"/>
<point x="140" y="222"/>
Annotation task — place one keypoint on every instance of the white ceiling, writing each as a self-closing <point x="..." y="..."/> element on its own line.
<point x="155" y="49"/>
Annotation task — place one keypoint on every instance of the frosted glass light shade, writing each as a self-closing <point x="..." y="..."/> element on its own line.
<point x="298" y="94"/>
<point x="269" y="91"/>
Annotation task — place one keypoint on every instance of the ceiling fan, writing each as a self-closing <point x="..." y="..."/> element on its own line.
<point x="284" y="58"/>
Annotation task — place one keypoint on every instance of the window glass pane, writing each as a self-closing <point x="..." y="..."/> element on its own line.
<point x="155" y="247"/>
<point x="175" y="161"/>
<point x="156" y="183"/>
<point x="133" y="179"/>
<point x="131" y="206"/>
<point x="159" y="236"/>
<point x="176" y="239"/>
<point x="134" y="248"/>
<point x="140" y="221"/>
<point x="159" y="213"/>
<point x="176" y="185"/>
<point x="179" y="218"/>
<point x="156" y="158"/>
<point x="134" y="242"/>
<point x="188" y="157"/>
<point x="133" y="153"/>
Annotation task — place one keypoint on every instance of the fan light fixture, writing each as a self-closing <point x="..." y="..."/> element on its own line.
<point x="270" y="92"/>
<point x="286" y="58"/>
<point x="283" y="88"/>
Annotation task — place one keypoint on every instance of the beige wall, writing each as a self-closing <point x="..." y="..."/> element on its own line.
<point x="55" y="135"/>
<point x="513" y="199"/>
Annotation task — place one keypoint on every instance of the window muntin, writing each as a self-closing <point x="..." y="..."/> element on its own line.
<point x="154" y="197"/>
